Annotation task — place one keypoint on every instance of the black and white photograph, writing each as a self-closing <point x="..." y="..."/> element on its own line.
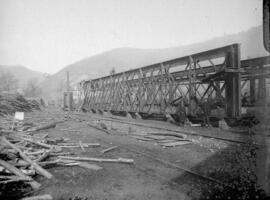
<point x="134" y="99"/>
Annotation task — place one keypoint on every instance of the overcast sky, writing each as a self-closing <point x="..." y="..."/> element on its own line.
<point x="47" y="35"/>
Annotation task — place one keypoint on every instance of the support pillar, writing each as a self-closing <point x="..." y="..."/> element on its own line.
<point x="252" y="89"/>
<point x="261" y="88"/>
<point x="233" y="83"/>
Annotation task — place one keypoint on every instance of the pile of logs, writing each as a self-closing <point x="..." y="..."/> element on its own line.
<point x="10" y="103"/>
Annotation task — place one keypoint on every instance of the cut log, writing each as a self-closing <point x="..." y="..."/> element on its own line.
<point x="39" y="169"/>
<point x="35" y="185"/>
<point x="47" y="126"/>
<point x="39" y="197"/>
<point x="74" y="145"/>
<point x="142" y="138"/>
<point x="8" y="179"/>
<point x="179" y="135"/>
<point x="173" y="144"/>
<point x="89" y="166"/>
<point x="35" y="152"/>
<point x="34" y="142"/>
<point x="69" y="130"/>
<point x="45" y="155"/>
<point x="155" y="137"/>
<point x="170" y="140"/>
<point x="109" y="149"/>
<point x="119" y="160"/>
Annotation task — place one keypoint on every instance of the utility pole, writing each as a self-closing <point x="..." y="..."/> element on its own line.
<point x="68" y="95"/>
<point x="67" y="81"/>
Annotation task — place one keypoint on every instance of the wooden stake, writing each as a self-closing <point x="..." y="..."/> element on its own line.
<point x="81" y="145"/>
<point x="109" y="149"/>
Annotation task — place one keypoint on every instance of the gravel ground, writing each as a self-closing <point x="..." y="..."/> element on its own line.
<point x="232" y="164"/>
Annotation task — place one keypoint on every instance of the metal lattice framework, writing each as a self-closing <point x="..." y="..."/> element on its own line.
<point x="213" y="74"/>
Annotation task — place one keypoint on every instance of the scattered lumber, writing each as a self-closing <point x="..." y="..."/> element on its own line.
<point x="118" y="160"/>
<point x="109" y="149"/>
<point x="24" y="153"/>
<point x="39" y="169"/>
<point x="35" y="185"/>
<point x="164" y="139"/>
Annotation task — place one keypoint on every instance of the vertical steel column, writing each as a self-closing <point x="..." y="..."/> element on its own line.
<point x="233" y="83"/>
<point x="261" y="88"/>
<point x="252" y="89"/>
<point x="192" y="87"/>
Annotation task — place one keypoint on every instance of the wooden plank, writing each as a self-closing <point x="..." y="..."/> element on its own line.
<point x="118" y="160"/>
<point x="89" y="166"/>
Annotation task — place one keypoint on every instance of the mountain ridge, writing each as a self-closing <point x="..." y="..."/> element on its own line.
<point x="125" y="58"/>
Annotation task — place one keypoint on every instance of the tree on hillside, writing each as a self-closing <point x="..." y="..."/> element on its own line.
<point x="112" y="71"/>
<point x="8" y="82"/>
<point x="32" y="88"/>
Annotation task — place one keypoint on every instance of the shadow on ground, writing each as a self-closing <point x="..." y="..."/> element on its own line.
<point x="235" y="167"/>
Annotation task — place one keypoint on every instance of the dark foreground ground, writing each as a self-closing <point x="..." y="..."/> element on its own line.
<point x="158" y="173"/>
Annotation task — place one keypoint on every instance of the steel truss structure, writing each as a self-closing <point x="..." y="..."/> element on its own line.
<point x="216" y="75"/>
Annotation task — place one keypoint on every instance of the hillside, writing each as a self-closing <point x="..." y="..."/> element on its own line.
<point x="22" y="73"/>
<point x="127" y="58"/>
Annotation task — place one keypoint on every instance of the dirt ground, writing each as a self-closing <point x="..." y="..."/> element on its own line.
<point x="157" y="172"/>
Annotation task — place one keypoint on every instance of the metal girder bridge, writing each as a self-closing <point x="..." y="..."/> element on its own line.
<point x="216" y="75"/>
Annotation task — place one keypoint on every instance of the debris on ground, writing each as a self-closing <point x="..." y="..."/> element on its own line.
<point x="25" y="153"/>
<point x="10" y="103"/>
<point x="164" y="139"/>
<point x="99" y="127"/>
